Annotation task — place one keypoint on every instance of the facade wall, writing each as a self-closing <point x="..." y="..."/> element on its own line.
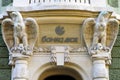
<point x="115" y="66"/>
<point x="6" y="2"/>
<point x="115" y="4"/>
<point x="5" y="69"/>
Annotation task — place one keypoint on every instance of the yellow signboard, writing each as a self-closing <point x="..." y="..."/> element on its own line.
<point x="59" y="34"/>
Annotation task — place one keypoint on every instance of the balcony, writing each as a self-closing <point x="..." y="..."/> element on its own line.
<point x="50" y="2"/>
<point x="39" y="5"/>
<point x="80" y="2"/>
<point x="58" y="4"/>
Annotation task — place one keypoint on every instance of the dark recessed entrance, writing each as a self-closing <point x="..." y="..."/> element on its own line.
<point x="60" y="73"/>
<point x="59" y="77"/>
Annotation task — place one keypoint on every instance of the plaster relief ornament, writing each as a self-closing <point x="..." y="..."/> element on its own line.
<point x="100" y="33"/>
<point x="19" y="34"/>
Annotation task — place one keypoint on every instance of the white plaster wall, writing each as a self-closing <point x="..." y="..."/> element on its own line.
<point x="20" y="3"/>
<point x="96" y="3"/>
<point x="99" y="3"/>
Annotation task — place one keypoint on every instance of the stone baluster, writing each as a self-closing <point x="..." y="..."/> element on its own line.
<point x="67" y="1"/>
<point x="87" y="2"/>
<point x="32" y="2"/>
<point x="41" y="1"/>
<point x="72" y="1"/>
<point x="36" y="1"/>
<point x="82" y="1"/>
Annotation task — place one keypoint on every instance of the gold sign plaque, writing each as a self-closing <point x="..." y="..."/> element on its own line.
<point x="59" y="34"/>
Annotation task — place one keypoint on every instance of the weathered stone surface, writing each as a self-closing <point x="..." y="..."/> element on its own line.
<point x="5" y="74"/>
<point x="117" y="43"/>
<point x="110" y="2"/>
<point x="6" y="2"/>
<point x="114" y="74"/>
<point x="0" y="29"/>
<point x="4" y="63"/>
<point x="4" y="52"/>
<point x="115" y="63"/>
<point x="119" y="32"/>
<point x="2" y="43"/>
<point x="116" y="52"/>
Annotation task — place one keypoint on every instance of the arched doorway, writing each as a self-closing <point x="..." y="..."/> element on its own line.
<point x="59" y="77"/>
<point x="60" y="73"/>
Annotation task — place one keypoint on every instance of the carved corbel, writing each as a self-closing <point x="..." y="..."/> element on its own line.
<point x="20" y="36"/>
<point x="99" y="35"/>
<point x="59" y="54"/>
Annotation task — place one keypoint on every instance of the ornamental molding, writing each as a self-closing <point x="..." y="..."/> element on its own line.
<point x="47" y="50"/>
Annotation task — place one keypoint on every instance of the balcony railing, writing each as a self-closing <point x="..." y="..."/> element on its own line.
<point x="22" y="3"/>
<point x="59" y="4"/>
<point x="59" y="1"/>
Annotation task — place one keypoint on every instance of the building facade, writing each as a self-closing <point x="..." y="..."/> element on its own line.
<point x="60" y="40"/>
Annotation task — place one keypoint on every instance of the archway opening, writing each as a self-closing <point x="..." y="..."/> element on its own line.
<point x="60" y="73"/>
<point x="60" y="77"/>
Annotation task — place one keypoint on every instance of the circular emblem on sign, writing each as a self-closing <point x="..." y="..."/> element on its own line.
<point x="59" y="30"/>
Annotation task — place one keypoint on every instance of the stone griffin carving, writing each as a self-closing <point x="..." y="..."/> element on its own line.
<point x="100" y="33"/>
<point x="19" y="34"/>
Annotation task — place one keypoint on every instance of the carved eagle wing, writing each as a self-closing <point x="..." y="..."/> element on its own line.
<point x="112" y="31"/>
<point x="32" y="31"/>
<point x="7" y="31"/>
<point x="88" y="31"/>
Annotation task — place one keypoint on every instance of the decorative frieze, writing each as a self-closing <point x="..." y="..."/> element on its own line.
<point x="47" y="50"/>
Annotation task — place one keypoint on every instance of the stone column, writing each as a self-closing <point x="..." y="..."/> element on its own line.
<point x="100" y="71"/>
<point x="101" y="59"/>
<point x="20" y="71"/>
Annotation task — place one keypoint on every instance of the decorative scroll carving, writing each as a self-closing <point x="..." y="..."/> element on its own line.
<point x="59" y="54"/>
<point x="19" y="35"/>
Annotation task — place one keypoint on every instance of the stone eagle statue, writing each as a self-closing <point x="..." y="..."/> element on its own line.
<point x="19" y="34"/>
<point x="100" y="31"/>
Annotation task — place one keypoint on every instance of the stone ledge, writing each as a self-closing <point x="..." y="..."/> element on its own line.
<point x="59" y="7"/>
